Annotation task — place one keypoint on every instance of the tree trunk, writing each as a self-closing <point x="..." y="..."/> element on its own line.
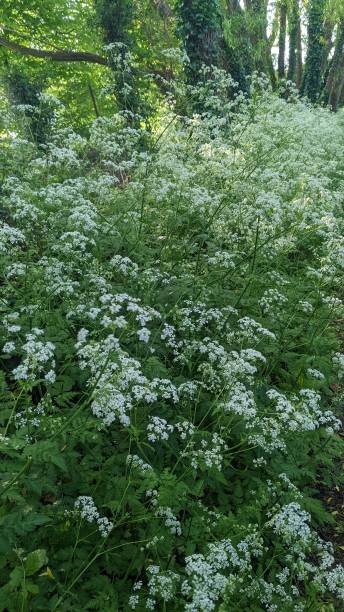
<point x="294" y="24"/>
<point x="237" y="46"/>
<point x="115" y="18"/>
<point x="312" y="77"/>
<point x="199" y="25"/>
<point x="338" y="100"/>
<point x="233" y="6"/>
<point x="328" y="43"/>
<point x="257" y="10"/>
<point x="299" y="59"/>
<point x="335" y="78"/>
<point x="341" y="98"/>
<point x="282" y="39"/>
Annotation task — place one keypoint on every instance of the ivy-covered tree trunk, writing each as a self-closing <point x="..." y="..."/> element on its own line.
<point x="282" y="38"/>
<point x="335" y="78"/>
<point x="299" y="55"/>
<point x="116" y="18"/>
<point x="341" y="98"/>
<point x="200" y="28"/>
<point x="295" y="44"/>
<point x="238" y="59"/>
<point x="312" y="77"/>
<point x="257" y="18"/>
<point x="294" y="19"/>
<point x="233" y="6"/>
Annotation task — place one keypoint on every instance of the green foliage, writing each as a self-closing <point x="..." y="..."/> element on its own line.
<point x="239" y="57"/>
<point x="26" y="95"/>
<point x="170" y="360"/>
<point x="116" y="19"/>
<point x="312" y="78"/>
<point x="199" y="26"/>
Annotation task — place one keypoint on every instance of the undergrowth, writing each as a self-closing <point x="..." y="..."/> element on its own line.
<point x="169" y="360"/>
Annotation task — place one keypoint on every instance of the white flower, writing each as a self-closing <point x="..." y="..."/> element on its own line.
<point x="170" y="520"/>
<point x="144" y="334"/>
<point x="36" y="355"/>
<point x="158" y="429"/>
<point x="9" y="347"/>
<point x="315" y="374"/>
<point x="87" y="509"/>
<point x="50" y="376"/>
<point x="82" y="335"/>
<point x="292" y="523"/>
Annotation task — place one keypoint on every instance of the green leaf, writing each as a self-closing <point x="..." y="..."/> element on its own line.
<point x="46" y="452"/>
<point x="35" y="560"/>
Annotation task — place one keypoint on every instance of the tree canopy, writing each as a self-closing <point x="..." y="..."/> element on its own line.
<point x="63" y="47"/>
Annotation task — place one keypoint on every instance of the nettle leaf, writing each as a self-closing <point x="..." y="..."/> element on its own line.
<point x="22" y="522"/>
<point x="35" y="560"/>
<point x="16" y="577"/>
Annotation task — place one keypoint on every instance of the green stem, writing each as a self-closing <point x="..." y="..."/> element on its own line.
<point x="26" y="467"/>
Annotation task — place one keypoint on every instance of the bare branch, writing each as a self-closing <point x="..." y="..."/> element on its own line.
<point x="57" y="56"/>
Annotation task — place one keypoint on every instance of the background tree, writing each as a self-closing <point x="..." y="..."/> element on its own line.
<point x="294" y="60"/>
<point x="57" y="46"/>
<point x="335" y="79"/>
<point x="25" y="94"/>
<point x="200" y="28"/>
<point x="116" y="21"/>
<point x="312" y="78"/>
<point x="239" y="54"/>
<point x="282" y="38"/>
<point x="258" y="24"/>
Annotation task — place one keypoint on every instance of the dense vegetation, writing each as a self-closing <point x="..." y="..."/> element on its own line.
<point x="172" y="257"/>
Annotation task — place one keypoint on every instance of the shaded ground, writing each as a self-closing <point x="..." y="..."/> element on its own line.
<point x="333" y="497"/>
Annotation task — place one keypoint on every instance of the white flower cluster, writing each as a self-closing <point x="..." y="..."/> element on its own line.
<point x="292" y="523"/>
<point x="272" y="300"/>
<point x="161" y="584"/>
<point x="9" y="347"/>
<point x="315" y="374"/>
<point x="298" y="414"/>
<point x="222" y="259"/>
<point x="158" y="429"/>
<point x="10" y="237"/>
<point x="10" y="322"/>
<point x="210" y="455"/>
<point x="338" y="361"/>
<point x="136" y="462"/>
<point x="31" y="417"/>
<point x="86" y="508"/>
<point x="185" y="429"/>
<point x="210" y="575"/>
<point x="170" y="520"/>
<point x="118" y="379"/>
<point x="124" y="265"/>
<point x="241" y="402"/>
<point x="38" y="358"/>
